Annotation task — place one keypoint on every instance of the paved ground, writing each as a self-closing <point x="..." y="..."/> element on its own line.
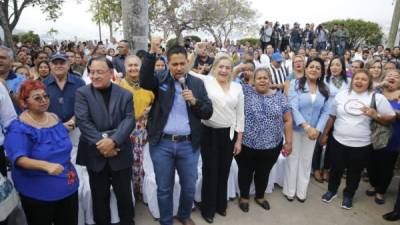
<point x="313" y="211"/>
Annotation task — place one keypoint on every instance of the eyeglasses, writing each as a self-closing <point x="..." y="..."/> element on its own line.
<point x="40" y="98"/>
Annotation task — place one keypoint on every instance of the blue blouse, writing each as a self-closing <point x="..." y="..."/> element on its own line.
<point x="394" y="143"/>
<point x="315" y="113"/>
<point x="263" y="126"/>
<point x="49" y="144"/>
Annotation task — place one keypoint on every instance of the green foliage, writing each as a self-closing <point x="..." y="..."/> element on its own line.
<point x="361" y="32"/>
<point x="106" y="11"/>
<point x="29" y="37"/>
<point x="221" y="18"/>
<point x="252" y="41"/>
<point x="173" y="41"/>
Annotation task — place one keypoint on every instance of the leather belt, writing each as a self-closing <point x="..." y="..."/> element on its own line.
<point x="176" y="138"/>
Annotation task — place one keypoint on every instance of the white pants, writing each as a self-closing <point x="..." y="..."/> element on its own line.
<point x="298" y="166"/>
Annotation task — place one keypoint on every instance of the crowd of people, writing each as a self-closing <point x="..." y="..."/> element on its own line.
<point x="330" y="110"/>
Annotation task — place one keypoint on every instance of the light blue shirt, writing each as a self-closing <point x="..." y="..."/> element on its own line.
<point x="178" y="120"/>
<point x="304" y="110"/>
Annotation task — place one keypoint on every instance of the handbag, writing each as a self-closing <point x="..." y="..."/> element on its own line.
<point x="8" y="197"/>
<point x="380" y="134"/>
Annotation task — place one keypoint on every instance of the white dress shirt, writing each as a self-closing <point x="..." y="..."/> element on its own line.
<point x="228" y="107"/>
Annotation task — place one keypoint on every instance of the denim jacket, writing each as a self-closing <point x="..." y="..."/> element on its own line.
<point x="304" y="110"/>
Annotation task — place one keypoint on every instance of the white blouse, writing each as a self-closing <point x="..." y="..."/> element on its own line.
<point x="228" y="107"/>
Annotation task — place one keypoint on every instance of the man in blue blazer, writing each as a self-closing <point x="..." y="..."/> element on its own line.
<point x="104" y="114"/>
<point x="174" y="128"/>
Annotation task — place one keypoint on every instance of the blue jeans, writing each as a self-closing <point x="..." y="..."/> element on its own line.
<point x="168" y="156"/>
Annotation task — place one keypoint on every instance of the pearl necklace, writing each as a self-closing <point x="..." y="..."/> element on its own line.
<point x="38" y="122"/>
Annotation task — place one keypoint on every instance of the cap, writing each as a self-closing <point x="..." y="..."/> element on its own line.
<point x="277" y="57"/>
<point x="59" y="56"/>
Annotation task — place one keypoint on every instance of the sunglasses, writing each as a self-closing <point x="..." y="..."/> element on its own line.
<point x="41" y="98"/>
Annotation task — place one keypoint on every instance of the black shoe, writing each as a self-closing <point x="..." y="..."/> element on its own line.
<point x="222" y="213"/>
<point x="244" y="206"/>
<point x="392" y="216"/>
<point x="208" y="219"/>
<point x="264" y="204"/>
<point x="370" y="193"/>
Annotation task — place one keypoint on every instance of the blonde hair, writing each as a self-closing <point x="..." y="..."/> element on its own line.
<point x="218" y="58"/>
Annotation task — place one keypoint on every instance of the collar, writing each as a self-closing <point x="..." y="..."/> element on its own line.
<point x="52" y="79"/>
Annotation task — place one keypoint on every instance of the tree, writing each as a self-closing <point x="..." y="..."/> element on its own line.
<point x="52" y="33"/>
<point x="360" y="31"/>
<point x="176" y="16"/>
<point x="28" y="37"/>
<point x="11" y="11"/>
<point x="108" y="12"/>
<point x="221" y="18"/>
<point x="135" y="22"/>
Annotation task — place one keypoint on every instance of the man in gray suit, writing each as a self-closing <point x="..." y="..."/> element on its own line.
<point x="104" y="114"/>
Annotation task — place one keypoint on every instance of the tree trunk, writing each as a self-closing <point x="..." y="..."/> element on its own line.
<point x="8" y="41"/>
<point x="135" y="23"/>
<point x="179" y="37"/>
<point x="110" y="26"/>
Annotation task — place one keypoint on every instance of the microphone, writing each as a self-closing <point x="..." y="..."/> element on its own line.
<point x="182" y="81"/>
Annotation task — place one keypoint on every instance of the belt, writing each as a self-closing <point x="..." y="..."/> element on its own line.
<point x="176" y="138"/>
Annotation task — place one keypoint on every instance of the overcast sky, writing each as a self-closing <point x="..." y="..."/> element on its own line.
<point x="76" y="19"/>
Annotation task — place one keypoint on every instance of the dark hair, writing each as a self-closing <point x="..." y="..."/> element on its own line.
<point x="49" y="47"/>
<point x="320" y="81"/>
<point x="370" y="88"/>
<point x="125" y="41"/>
<point x="101" y="59"/>
<point x="35" y="55"/>
<point x="141" y="54"/>
<point x="97" y="47"/>
<point x="250" y="62"/>
<point x="342" y="74"/>
<point x="176" y="49"/>
<point x="359" y="62"/>
<point x="41" y="62"/>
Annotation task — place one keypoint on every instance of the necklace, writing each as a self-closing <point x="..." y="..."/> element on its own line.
<point x="38" y="122"/>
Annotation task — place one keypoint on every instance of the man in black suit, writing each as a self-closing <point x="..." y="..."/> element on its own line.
<point x="174" y="128"/>
<point x="104" y="114"/>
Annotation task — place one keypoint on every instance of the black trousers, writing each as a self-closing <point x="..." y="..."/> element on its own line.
<point x="60" y="212"/>
<point x="354" y="159"/>
<point x="380" y="169"/>
<point x="258" y="164"/>
<point x="316" y="161"/>
<point x="217" y="155"/>
<point x="100" y="183"/>
<point x="397" y="204"/>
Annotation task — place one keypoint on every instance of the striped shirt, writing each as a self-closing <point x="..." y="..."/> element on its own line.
<point x="279" y="75"/>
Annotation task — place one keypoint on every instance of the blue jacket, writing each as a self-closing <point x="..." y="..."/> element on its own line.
<point x="162" y="85"/>
<point x="304" y="110"/>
